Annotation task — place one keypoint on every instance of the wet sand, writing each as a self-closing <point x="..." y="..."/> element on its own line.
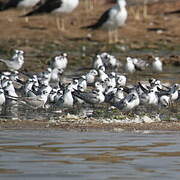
<point x="91" y="125"/>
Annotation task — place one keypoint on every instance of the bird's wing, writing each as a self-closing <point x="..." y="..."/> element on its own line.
<point x="100" y="22"/>
<point x="2" y="60"/>
<point x="87" y="97"/>
<point x="127" y="89"/>
<point x="33" y="102"/>
<point x="47" y="7"/>
<point x="9" y="4"/>
<point x="172" y="12"/>
<point x="162" y="92"/>
<point x="144" y="89"/>
<point x="109" y="97"/>
<point x="120" y="104"/>
<point x="130" y="97"/>
<point x="140" y="65"/>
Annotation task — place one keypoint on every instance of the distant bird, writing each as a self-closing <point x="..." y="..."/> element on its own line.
<point x="172" y="92"/>
<point x="140" y="64"/>
<point x="102" y="75"/>
<point x="128" y="103"/>
<point x="59" y="62"/>
<point x="16" y="62"/>
<point x="149" y="96"/>
<point x="91" y="76"/>
<point x="82" y="82"/>
<point x="157" y="65"/>
<point x="94" y="97"/>
<point x="2" y="97"/>
<point x="111" y="20"/>
<point x="55" y="7"/>
<point x="119" y="94"/>
<point x="129" y="66"/>
<point x="55" y="76"/>
<point x="97" y="62"/>
<point x="36" y="101"/>
<point x="66" y="99"/>
<point x="109" y="61"/>
<point x="120" y="80"/>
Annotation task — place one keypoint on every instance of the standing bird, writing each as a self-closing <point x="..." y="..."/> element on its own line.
<point x="16" y="62"/>
<point x="111" y="20"/>
<point x="129" y="66"/>
<point x="157" y="65"/>
<point x="2" y="98"/>
<point x="23" y="4"/>
<point x="59" y="62"/>
<point x="55" y="7"/>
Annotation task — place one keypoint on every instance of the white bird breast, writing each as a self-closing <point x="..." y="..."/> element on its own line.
<point x="117" y="18"/>
<point x="67" y="6"/>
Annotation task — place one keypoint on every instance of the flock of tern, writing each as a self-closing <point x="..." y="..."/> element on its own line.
<point x="49" y="89"/>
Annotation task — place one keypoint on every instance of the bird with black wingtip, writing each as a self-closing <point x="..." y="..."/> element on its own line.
<point x="17" y="4"/>
<point x="111" y="20"/>
<point x="54" y="7"/>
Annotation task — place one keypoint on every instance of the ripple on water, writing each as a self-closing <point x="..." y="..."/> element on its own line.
<point x="89" y="155"/>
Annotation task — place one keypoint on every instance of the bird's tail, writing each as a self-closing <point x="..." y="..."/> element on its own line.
<point x="92" y="27"/>
<point x="2" y="60"/>
<point x="31" y="13"/>
<point x="172" y="12"/>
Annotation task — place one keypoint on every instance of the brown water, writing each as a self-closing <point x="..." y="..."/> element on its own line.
<point x="50" y="154"/>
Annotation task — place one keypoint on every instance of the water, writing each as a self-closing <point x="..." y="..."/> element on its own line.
<point x="55" y="154"/>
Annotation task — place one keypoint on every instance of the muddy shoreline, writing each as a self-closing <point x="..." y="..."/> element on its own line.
<point x="91" y="125"/>
<point x="117" y="127"/>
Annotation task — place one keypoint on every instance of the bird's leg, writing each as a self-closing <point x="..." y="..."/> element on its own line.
<point x="87" y="5"/>
<point x="26" y="18"/>
<point x="110" y="41"/>
<point x="62" y="24"/>
<point x="58" y="24"/>
<point x="136" y="13"/>
<point x="145" y="14"/>
<point x="116" y="35"/>
<point x="91" y="4"/>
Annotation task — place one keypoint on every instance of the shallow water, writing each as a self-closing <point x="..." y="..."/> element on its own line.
<point x="55" y="154"/>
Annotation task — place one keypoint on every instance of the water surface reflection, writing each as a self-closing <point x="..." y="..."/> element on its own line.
<point x="50" y="154"/>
